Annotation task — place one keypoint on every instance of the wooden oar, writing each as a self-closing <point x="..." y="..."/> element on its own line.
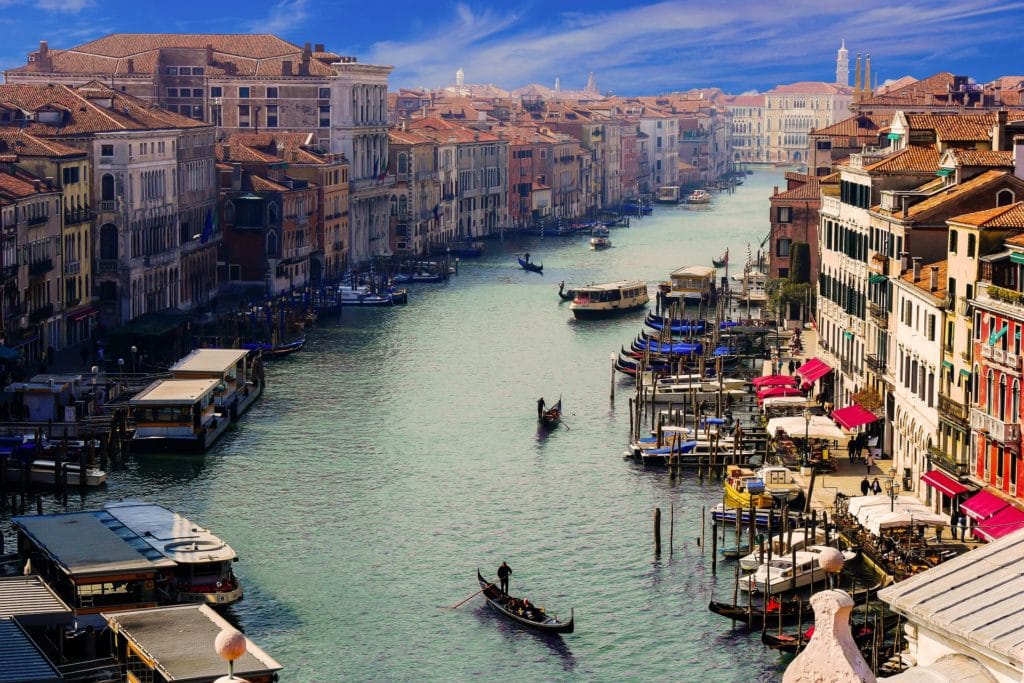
<point x="471" y="597"/>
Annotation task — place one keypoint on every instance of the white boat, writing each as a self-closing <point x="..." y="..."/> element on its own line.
<point x="241" y="382"/>
<point x="749" y="563"/>
<point x="687" y="392"/>
<point x="177" y="415"/>
<point x="782" y="575"/>
<point x="43" y="471"/>
<point x="698" y="197"/>
<point x="779" y="482"/>
<point x="600" y="243"/>
<point x="203" y="571"/>
<point x="361" y="295"/>
<point x="596" y="301"/>
<point x="692" y="284"/>
<point x="668" y="194"/>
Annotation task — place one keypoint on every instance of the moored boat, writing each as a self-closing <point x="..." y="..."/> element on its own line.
<point x="240" y="375"/>
<point x="274" y="351"/>
<point x="361" y="295"/>
<point x="595" y="301"/>
<point x="177" y="415"/>
<point x="520" y="611"/>
<point x="668" y="194"/>
<point x="698" y="197"/>
<point x="783" y="574"/>
<point x="743" y="488"/>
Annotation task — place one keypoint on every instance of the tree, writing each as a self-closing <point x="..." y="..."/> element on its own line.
<point x="800" y="262"/>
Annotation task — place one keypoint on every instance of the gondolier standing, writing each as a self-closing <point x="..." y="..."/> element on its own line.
<point x="540" y="408"/>
<point x="504" y="571"/>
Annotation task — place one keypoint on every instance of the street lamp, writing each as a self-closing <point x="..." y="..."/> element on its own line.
<point x="807" y="439"/>
<point x="135" y="352"/>
<point x="893" y="489"/>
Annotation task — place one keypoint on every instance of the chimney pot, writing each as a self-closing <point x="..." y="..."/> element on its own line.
<point x="38" y="184"/>
<point x="904" y="261"/>
<point x="209" y="53"/>
<point x="917" y="268"/>
<point x="319" y="47"/>
<point x="227" y="152"/>
<point x="43" y="47"/>
<point x="286" y="67"/>
<point x="933" y="284"/>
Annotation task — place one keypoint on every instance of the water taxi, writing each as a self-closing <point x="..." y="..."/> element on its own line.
<point x="698" y="197"/>
<point x="692" y="284"/>
<point x="744" y="488"/>
<point x="597" y="243"/>
<point x="203" y="562"/>
<point x="782" y="574"/>
<point x="668" y="194"/>
<point x="782" y="545"/>
<point x="177" y="415"/>
<point x="595" y="301"/>
<point x="361" y="295"/>
<point x="239" y="374"/>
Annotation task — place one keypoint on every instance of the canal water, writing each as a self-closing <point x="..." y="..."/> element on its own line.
<point x="400" y="451"/>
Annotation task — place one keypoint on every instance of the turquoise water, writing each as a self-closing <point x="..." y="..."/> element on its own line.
<point x="400" y="451"/>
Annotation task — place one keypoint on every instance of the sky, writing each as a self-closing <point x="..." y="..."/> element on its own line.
<point x="633" y="48"/>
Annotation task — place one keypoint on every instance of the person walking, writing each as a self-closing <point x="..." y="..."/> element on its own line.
<point x="504" y="571"/>
<point x="870" y="461"/>
<point x="851" y="451"/>
<point x="876" y="488"/>
<point x="865" y="486"/>
<point x="963" y="526"/>
<point x="792" y="367"/>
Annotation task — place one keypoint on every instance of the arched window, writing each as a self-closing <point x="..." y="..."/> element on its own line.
<point x="272" y="213"/>
<point x="403" y="206"/>
<point x="1002" y="397"/>
<point x="971" y="241"/>
<point x="272" y="244"/>
<point x="107" y="187"/>
<point x="108" y="242"/>
<point x="973" y="388"/>
<point x="1015" y="401"/>
<point x="394" y="205"/>
<point x="403" y="163"/>
<point x="1004" y="197"/>
<point x="229" y="212"/>
<point x="988" y="391"/>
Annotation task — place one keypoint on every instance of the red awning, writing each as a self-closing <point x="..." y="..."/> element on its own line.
<point x="1004" y="522"/>
<point x="772" y="392"/>
<point x="854" y="416"/>
<point x="813" y="370"/>
<point x="982" y="505"/>
<point x="941" y="481"/>
<point x="84" y="313"/>
<point x="774" y="381"/>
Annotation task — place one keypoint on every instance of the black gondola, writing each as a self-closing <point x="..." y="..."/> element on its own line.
<point x="512" y="608"/>
<point x="565" y="294"/>
<point x="789" y="611"/>
<point x="792" y="643"/>
<point x="552" y="416"/>
<point x="271" y="352"/>
<point x="532" y="267"/>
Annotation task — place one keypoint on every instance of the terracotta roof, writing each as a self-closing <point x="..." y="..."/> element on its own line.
<point x="898" y="84"/>
<point x="1010" y="216"/>
<point x="19" y="185"/>
<point x="745" y="101"/>
<point x="811" y="88"/>
<point x="81" y="111"/>
<point x="866" y="125"/>
<point x="261" y="184"/>
<point x="982" y="157"/>
<point x="960" y="127"/>
<point x="953" y="193"/>
<point x="915" y="93"/>
<point x="407" y="137"/>
<point x="19" y="142"/>
<point x="444" y="131"/>
<point x="243" y="154"/>
<point x="924" y="282"/>
<point x="913" y="159"/>
<point x="293" y="147"/>
<point x="807" y="191"/>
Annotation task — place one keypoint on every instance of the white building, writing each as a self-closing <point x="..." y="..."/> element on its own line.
<point x="792" y="111"/>
<point x="747" y="128"/>
<point x="662" y="130"/>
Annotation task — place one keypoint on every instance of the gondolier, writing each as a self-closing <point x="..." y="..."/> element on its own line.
<point x="504" y="571"/>
<point x="540" y="408"/>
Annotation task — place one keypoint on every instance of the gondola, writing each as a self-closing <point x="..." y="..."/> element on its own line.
<point x="863" y="633"/>
<point x="527" y="265"/>
<point x="565" y="294"/>
<point x="271" y="351"/>
<point x="552" y="416"/>
<point x="790" y="611"/>
<point x="721" y="262"/>
<point x="507" y="605"/>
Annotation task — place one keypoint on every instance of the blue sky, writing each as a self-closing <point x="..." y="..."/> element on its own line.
<point x="633" y="47"/>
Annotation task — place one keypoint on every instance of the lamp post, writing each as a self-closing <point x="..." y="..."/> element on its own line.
<point x="893" y="489"/>
<point x="135" y="353"/>
<point x="807" y="439"/>
<point x="120" y="366"/>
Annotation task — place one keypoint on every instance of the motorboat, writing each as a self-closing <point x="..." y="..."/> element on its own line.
<point x="782" y="574"/>
<point x="598" y="243"/>
<point x="611" y="298"/>
<point x="782" y="545"/>
<point x="698" y="197"/>
<point x="361" y="295"/>
<point x="744" y="489"/>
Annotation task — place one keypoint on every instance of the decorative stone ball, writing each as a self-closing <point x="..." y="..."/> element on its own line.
<point x="831" y="560"/>
<point x="230" y="644"/>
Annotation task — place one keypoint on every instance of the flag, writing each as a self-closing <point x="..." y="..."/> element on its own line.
<point x="207" y="227"/>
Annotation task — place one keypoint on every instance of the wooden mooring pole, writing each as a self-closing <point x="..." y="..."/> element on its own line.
<point x="657" y="531"/>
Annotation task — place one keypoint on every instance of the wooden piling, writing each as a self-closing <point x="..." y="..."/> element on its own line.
<point x="39" y="505"/>
<point x="702" y="523"/>
<point x="657" y="531"/>
<point x="671" y="528"/>
<point x="714" y="546"/>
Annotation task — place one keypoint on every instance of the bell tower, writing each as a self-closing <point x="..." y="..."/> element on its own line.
<point x="843" y="66"/>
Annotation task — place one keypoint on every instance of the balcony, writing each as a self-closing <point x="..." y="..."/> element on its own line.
<point x="947" y="462"/>
<point x="9" y="272"/>
<point x="40" y="267"/>
<point x="998" y="356"/>
<point x="997" y="430"/>
<point x="160" y="258"/>
<point x="362" y="184"/>
<point x="38" y="220"/>
<point x="72" y="267"/>
<point x="879" y="315"/>
<point x="108" y="205"/>
<point x="953" y="409"/>
<point x="107" y="265"/>
<point x="830" y="206"/>
<point x="40" y="314"/>
<point x="77" y="216"/>
<point x="874" y="364"/>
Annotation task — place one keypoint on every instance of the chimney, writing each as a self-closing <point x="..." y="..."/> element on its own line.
<point x="999" y="132"/>
<point x="286" y="67"/>
<point x="131" y="65"/>
<point x="1018" y="156"/>
<point x="319" y="47"/>
<point x="44" y="48"/>
<point x="933" y="282"/>
<point x="209" y="53"/>
<point x="917" y="268"/>
<point x="38" y="183"/>
<point x="227" y="152"/>
<point x="236" y="176"/>
<point x="904" y="262"/>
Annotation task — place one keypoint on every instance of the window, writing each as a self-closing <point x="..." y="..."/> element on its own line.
<point x="952" y="241"/>
<point x="931" y="328"/>
<point x="216" y="91"/>
<point x="782" y="247"/>
<point x="272" y="92"/>
<point x="171" y="71"/>
<point x="784" y="214"/>
<point x="325" y="116"/>
<point x="243" y="116"/>
<point x="172" y="92"/>
<point x="196" y="92"/>
<point x="323" y="93"/>
<point x="971" y="241"/>
<point x="1004" y="198"/>
<point x="198" y="70"/>
<point x="107" y="188"/>
<point x="243" y="92"/>
<point x="106" y="150"/>
<point x="271" y="116"/>
<point x="71" y="175"/>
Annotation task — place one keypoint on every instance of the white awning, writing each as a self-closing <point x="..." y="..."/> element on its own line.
<point x="820" y="428"/>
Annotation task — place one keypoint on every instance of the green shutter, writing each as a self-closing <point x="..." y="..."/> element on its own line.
<point x="943" y="172"/>
<point x="894" y="136"/>
<point x="875" y="278"/>
<point x="1016" y="257"/>
<point x="946" y="364"/>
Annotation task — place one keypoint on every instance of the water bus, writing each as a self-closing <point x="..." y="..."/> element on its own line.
<point x="177" y="415"/>
<point x="239" y="374"/>
<point x="611" y="298"/>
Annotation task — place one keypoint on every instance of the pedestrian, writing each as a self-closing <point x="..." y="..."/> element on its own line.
<point x="865" y="486"/>
<point x="870" y="462"/>
<point x="780" y="367"/>
<point x="792" y="367"/>
<point x="504" y="571"/>
<point x="876" y="488"/>
<point x="851" y="449"/>
<point x="963" y="526"/>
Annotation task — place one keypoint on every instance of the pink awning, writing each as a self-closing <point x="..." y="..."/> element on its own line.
<point x="813" y="370"/>
<point x="1004" y="522"/>
<point x="982" y="505"/>
<point x="853" y="416"/>
<point x="771" y="392"/>
<point x="774" y="381"/>
<point x="941" y="481"/>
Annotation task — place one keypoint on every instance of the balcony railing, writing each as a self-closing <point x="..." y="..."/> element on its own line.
<point x="107" y="265"/>
<point x="947" y="462"/>
<point x="41" y="313"/>
<point x="879" y="315"/>
<point x="38" y="220"/>
<point x="108" y="205"/>
<point x="40" y="267"/>
<point x="72" y="267"/>
<point x="830" y="205"/>
<point x="874" y="364"/>
<point x="998" y="356"/>
<point x="1003" y="432"/>
<point x="953" y="409"/>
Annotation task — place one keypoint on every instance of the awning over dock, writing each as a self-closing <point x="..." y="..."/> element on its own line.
<point x="940" y="481"/>
<point x="813" y="370"/>
<point x="982" y="505"/>
<point x="853" y="416"/>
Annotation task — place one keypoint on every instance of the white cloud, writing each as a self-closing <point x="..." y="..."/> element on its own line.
<point x="68" y="6"/>
<point x="284" y="16"/>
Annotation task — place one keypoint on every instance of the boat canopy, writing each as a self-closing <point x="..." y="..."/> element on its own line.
<point x="819" y="427"/>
